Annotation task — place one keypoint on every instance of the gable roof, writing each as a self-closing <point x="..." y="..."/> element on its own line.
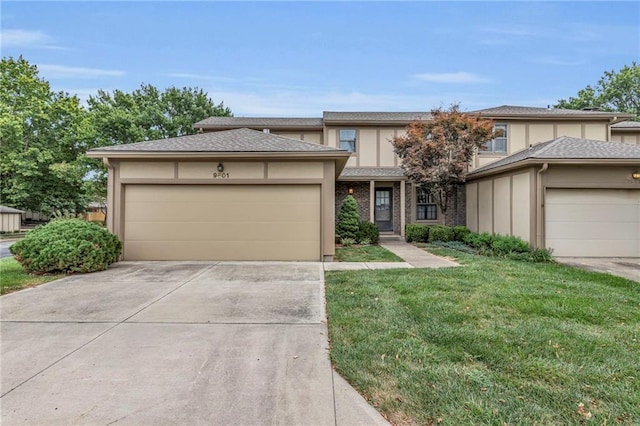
<point x="237" y="140"/>
<point x="5" y="209"/>
<point x="566" y="148"/>
<point x="512" y="111"/>
<point x="259" y="122"/>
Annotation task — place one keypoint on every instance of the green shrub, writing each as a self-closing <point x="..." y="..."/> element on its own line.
<point x="456" y="245"/>
<point x="415" y="232"/>
<point x="440" y="233"/>
<point x="460" y="233"/>
<point x="368" y="232"/>
<point x="481" y="241"/>
<point x="502" y="245"/>
<point x="67" y="245"/>
<point x="348" y="224"/>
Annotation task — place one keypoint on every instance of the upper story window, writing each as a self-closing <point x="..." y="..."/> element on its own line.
<point x="499" y="144"/>
<point x="348" y="140"/>
<point x="426" y="207"/>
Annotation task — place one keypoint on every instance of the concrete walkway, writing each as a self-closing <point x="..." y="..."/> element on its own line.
<point x="413" y="257"/>
<point x="184" y="343"/>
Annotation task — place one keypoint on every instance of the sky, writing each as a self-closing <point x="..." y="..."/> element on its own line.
<point x="301" y="58"/>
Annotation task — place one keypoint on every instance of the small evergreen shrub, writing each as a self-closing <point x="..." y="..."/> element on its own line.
<point x="67" y="245"/>
<point x="416" y="233"/>
<point x="348" y="225"/>
<point x="369" y="232"/>
<point x="460" y="233"/>
<point x="482" y="241"/>
<point x="440" y="233"/>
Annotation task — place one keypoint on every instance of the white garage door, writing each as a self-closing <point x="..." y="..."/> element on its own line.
<point x="222" y="222"/>
<point x="593" y="222"/>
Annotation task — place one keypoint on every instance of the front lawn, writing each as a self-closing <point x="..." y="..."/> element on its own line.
<point x="365" y="254"/>
<point x="493" y="342"/>
<point x="13" y="277"/>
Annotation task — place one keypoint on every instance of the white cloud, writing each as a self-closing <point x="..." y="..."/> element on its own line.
<point x="61" y="71"/>
<point x="26" y="38"/>
<point x="451" y="77"/>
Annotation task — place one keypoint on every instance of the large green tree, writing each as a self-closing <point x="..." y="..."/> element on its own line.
<point x="615" y="91"/>
<point x="42" y="134"/>
<point x="147" y="113"/>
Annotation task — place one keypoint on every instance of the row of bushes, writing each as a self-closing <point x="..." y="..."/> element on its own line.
<point x="461" y="238"/>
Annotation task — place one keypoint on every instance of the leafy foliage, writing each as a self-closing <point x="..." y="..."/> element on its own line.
<point x="42" y="135"/>
<point x="441" y="233"/>
<point x="460" y="233"/>
<point x="436" y="153"/>
<point x="67" y="245"/>
<point x="615" y="91"/>
<point x="368" y="233"/>
<point x="416" y="233"/>
<point x="348" y="219"/>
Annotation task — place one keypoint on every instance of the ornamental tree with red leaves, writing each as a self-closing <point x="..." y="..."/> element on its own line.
<point x="436" y="153"/>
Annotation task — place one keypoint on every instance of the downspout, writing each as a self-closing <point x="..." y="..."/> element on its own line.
<point x="540" y="207"/>
<point x="110" y="195"/>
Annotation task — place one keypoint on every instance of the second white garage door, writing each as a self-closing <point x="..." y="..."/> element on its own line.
<point x="593" y="222"/>
<point x="222" y="222"/>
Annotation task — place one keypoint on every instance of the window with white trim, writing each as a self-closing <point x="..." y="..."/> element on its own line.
<point x="426" y="207"/>
<point x="348" y="139"/>
<point x="498" y="145"/>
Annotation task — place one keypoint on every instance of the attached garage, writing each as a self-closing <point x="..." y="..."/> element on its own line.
<point x="593" y="222"/>
<point x="231" y="195"/>
<point x="579" y="197"/>
<point x="222" y="222"/>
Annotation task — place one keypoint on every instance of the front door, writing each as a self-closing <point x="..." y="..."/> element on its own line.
<point x="383" y="214"/>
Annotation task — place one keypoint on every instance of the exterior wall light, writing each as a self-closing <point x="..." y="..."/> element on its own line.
<point x="350" y="191"/>
<point x="636" y="175"/>
<point x="220" y="167"/>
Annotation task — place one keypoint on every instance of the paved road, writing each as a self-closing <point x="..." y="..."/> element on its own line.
<point x="175" y="343"/>
<point x="4" y="248"/>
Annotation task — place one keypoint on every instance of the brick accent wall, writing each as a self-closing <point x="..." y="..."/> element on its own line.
<point x="408" y="217"/>
<point x="457" y="209"/>
<point x="360" y="193"/>
<point x="396" y="208"/>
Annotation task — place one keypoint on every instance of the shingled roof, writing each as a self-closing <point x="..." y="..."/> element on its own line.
<point x="566" y="148"/>
<point x="627" y="125"/>
<point x="351" y="173"/>
<point x="537" y="112"/>
<point x="237" y="140"/>
<point x="259" y="123"/>
<point x="377" y="117"/>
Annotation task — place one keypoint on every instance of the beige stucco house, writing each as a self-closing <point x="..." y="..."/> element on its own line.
<point x="281" y="181"/>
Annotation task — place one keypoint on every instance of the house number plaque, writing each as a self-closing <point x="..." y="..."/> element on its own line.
<point x="221" y="175"/>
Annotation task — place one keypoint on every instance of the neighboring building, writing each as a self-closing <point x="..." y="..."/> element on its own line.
<point x="354" y="146"/>
<point x="10" y="219"/>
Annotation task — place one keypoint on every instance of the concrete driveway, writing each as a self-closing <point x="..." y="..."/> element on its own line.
<point x="628" y="268"/>
<point x="175" y="343"/>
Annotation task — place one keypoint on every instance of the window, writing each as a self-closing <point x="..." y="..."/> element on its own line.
<point x="426" y="208"/>
<point x="499" y="144"/>
<point x="348" y="140"/>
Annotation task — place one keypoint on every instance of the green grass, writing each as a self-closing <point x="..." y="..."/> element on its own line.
<point x="12" y="235"/>
<point x="365" y="254"/>
<point x="14" y="278"/>
<point x="494" y="342"/>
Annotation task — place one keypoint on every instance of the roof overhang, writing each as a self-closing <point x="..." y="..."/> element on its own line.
<point x="339" y="157"/>
<point x="275" y="128"/>
<point x="370" y="178"/>
<point x="531" y="162"/>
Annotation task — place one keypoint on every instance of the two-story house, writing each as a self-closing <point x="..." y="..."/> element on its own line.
<point x="269" y="188"/>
